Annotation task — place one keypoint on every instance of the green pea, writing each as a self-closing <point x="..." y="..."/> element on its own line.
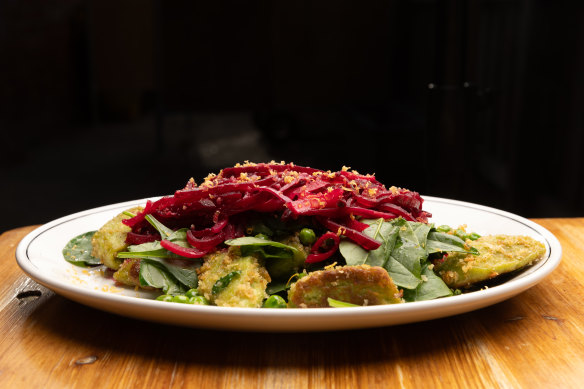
<point x="192" y="293"/>
<point x="181" y="298"/>
<point x="164" y="297"/>
<point x="198" y="300"/>
<point x="262" y="236"/>
<point x="275" y="301"/>
<point x="307" y="236"/>
<point x="443" y="228"/>
<point x="474" y="236"/>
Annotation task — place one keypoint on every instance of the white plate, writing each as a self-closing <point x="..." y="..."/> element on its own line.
<point x="39" y="255"/>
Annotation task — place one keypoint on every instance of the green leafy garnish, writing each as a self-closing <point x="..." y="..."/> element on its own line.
<point x="155" y="275"/>
<point x="185" y="271"/>
<point x="385" y="233"/>
<point x="164" y="231"/>
<point x="430" y="288"/>
<point x="160" y="253"/>
<point x="153" y="250"/>
<point x="277" y="287"/>
<point x="441" y="242"/>
<point x="400" y="275"/>
<point x="410" y="250"/>
<point x="160" y="268"/>
<point x="405" y="247"/>
<point x="265" y="248"/>
<point x="78" y="251"/>
<point x="224" y="281"/>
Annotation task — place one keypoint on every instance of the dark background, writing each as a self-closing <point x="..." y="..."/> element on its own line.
<point x="107" y="101"/>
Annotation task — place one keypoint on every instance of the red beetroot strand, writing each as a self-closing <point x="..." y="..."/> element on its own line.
<point x="315" y="255"/>
<point x="290" y="190"/>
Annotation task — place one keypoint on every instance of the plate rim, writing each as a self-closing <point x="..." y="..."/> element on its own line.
<point x="243" y="318"/>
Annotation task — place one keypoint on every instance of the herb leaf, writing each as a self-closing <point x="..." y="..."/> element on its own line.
<point x="185" y="271"/>
<point x="179" y="236"/>
<point x="153" y="250"/>
<point x="164" y="231"/>
<point x="379" y="230"/>
<point x="148" y="246"/>
<point x="151" y="254"/>
<point x="410" y="251"/>
<point x="442" y="242"/>
<point x="155" y="275"/>
<point x="277" y="287"/>
<point x="431" y="288"/>
<point x="404" y="251"/>
<point x="266" y="248"/>
<point x="224" y="281"/>
<point x="400" y="275"/>
<point x="78" y="251"/>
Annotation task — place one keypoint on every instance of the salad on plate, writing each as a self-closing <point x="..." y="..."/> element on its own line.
<point x="277" y="235"/>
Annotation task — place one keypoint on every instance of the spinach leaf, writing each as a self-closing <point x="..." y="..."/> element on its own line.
<point x="431" y="288"/>
<point x="151" y="254"/>
<point x="185" y="271"/>
<point x="179" y="236"/>
<point x="353" y="253"/>
<point x="78" y="251"/>
<point x="266" y="248"/>
<point x="153" y="250"/>
<point x="400" y="275"/>
<point x="277" y="287"/>
<point x="421" y="231"/>
<point x="379" y="230"/>
<point x="409" y="251"/>
<point x="442" y="242"/>
<point x="404" y="254"/>
<point x="161" y="268"/>
<point x="400" y="252"/>
<point x="155" y="275"/>
<point x="164" y="231"/>
<point x="148" y="246"/>
<point x="404" y="251"/>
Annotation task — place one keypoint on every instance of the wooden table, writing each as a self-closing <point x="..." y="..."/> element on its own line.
<point x="533" y="340"/>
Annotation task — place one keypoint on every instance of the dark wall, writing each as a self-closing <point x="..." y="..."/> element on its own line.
<point x="105" y="101"/>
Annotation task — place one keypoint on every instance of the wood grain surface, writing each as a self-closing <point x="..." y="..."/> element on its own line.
<point x="535" y="339"/>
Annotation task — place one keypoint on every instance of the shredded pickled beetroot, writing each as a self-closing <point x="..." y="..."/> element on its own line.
<point x="315" y="255"/>
<point x="335" y="199"/>
<point x="355" y="225"/>
<point x="207" y="243"/>
<point x="356" y="236"/>
<point x="187" y="252"/>
<point x="134" y="238"/>
<point x="216" y="229"/>
<point x="370" y="213"/>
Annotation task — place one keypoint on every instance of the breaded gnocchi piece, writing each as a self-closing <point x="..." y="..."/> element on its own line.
<point x="129" y="272"/>
<point x="360" y="285"/>
<point x="110" y="239"/>
<point x="229" y="280"/>
<point x="498" y="254"/>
